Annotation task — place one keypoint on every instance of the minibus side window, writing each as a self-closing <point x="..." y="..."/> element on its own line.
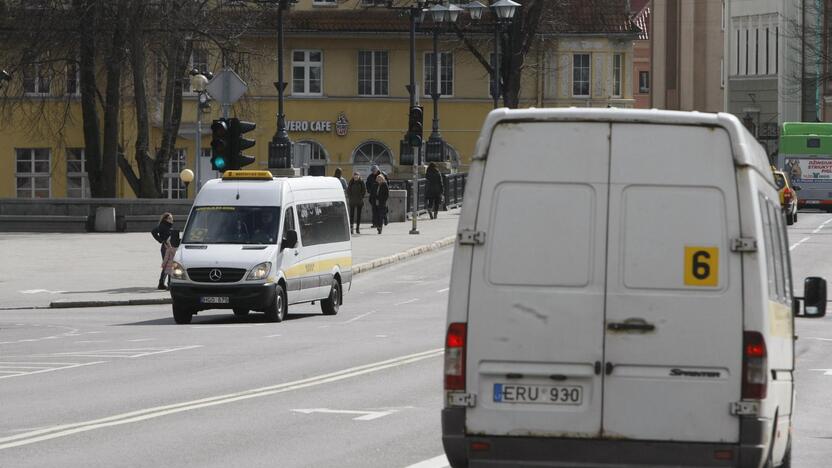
<point x="784" y="253"/>
<point x="779" y="268"/>
<point x="323" y="223"/>
<point x="769" y="246"/>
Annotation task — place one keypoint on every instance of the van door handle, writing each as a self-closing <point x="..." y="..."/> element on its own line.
<point x="631" y="325"/>
<point x="296" y="253"/>
<point x="609" y="368"/>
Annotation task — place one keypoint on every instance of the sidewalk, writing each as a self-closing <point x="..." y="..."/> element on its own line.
<point x="64" y="270"/>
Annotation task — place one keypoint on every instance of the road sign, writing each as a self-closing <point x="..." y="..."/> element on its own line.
<point x="364" y="415"/>
<point x="227" y="87"/>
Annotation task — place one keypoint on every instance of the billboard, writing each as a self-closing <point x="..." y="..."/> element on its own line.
<point x="808" y="170"/>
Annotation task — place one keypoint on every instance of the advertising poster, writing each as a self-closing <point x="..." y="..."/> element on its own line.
<point x="809" y="170"/>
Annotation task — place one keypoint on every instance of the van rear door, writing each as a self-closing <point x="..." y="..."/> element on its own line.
<point x="674" y="307"/>
<point x="536" y="300"/>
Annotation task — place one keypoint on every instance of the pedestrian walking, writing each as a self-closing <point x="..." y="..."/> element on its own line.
<point x="380" y="208"/>
<point x="372" y="184"/>
<point x="338" y="176"/>
<point x="433" y="190"/>
<point x="162" y="235"/>
<point x="355" y="197"/>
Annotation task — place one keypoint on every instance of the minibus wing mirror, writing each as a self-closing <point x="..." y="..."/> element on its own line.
<point x="814" y="298"/>
<point x="290" y="241"/>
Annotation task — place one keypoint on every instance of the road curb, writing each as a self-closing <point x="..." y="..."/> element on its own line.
<point x="356" y="269"/>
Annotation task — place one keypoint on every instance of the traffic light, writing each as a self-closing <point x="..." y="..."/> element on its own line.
<point x="406" y="152"/>
<point x="220" y="145"/>
<point x="238" y="128"/>
<point x="414" y="126"/>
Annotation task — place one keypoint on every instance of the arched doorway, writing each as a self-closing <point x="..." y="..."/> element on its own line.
<point x="316" y="160"/>
<point x="372" y="153"/>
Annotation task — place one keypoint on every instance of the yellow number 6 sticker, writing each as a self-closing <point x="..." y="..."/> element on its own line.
<point x="701" y="266"/>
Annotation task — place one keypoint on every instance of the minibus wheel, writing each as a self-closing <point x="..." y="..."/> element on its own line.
<point x="276" y="311"/>
<point x="182" y="315"/>
<point x="330" y="305"/>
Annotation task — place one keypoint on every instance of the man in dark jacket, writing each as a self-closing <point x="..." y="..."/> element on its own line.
<point x="355" y="198"/>
<point x="372" y="186"/>
<point x="433" y="190"/>
<point x="162" y="235"/>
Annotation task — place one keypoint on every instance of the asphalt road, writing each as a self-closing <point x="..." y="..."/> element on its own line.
<point x="126" y="387"/>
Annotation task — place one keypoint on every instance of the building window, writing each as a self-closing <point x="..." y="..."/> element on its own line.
<point x="73" y="78"/>
<point x="316" y="158"/>
<point x="32" y="173"/>
<point x="172" y="185"/>
<point x="580" y="75"/>
<point x="616" y="75"/>
<point x="777" y="49"/>
<point x="768" y="52"/>
<point x="372" y="153"/>
<point x="306" y="72"/>
<point x="746" y="51"/>
<point x="739" y="57"/>
<point x="372" y="73"/>
<point x="757" y="51"/>
<point x="324" y="2"/>
<point x="35" y="80"/>
<point x="644" y="82"/>
<point x="77" y="181"/>
<point x="199" y="61"/>
<point x="446" y="66"/>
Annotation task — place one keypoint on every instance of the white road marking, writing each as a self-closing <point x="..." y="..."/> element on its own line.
<point x="436" y="462"/>
<point x="123" y="353"/>
<point x="366" y="415"/>
<point x="358" y="318"/>
<point x="273" y="336"/>
<point x="822" y="226"/>
<point x="825" y="371"/>
<point x="411" y="301"/>
<point x="51" y="369"/>
<point x="91" y="341"/>
<point x="816" y="338"/>
<point x="794" y="246"/>
<point x="443" y="290"/>
<point x="64" y="430"/>
<point x="381" y="336"/>
<point x="384" y="292"/>
<point x="40" y="291"/>
<point x="212" y="327"/>
<point x="141" y="339"/>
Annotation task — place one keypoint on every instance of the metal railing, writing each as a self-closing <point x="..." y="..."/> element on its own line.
<point x="454" y="185"/>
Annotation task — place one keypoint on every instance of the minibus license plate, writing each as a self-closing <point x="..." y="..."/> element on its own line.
<point x="541" y="394"/>
<point x="214" y="300"/>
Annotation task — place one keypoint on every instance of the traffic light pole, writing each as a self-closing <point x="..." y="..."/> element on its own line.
<point x="417" y="151"/>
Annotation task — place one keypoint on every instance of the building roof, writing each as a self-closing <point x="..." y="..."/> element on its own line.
<point x="642" y="21"/>
<point x="578" y="17"/>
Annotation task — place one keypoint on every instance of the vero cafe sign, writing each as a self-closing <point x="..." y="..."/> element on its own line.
<point x="340" y="125"/>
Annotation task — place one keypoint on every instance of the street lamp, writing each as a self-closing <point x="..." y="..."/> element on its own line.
<point x="186" y="176"/>
<point x="440" y="14"/>
<point x="280" y="148"/>
<point x="504" y="11"/>
<point x="199" y="81"/>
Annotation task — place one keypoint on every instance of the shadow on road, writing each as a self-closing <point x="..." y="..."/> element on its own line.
<point x="116" y="291"/>
<point x="223" y="319"/>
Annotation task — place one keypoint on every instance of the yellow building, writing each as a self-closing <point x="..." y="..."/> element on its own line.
<point x="347" y="69"/>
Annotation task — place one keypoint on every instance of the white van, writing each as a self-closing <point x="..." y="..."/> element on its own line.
<point x="255" y="242"/>
<point x="620" y="295"/>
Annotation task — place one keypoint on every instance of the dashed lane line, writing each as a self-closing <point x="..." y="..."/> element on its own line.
<point x="411" y="301"/>
<point x="815" y="231"/>
<point x="443" y="290"/>
<point x="436" y="462"/>
<point x="65" y="430"/>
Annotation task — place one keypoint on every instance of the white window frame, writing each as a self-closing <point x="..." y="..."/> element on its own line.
<point x="307" y="66"/>
<point x="33" y="174"/>
<point x="641" y="88"/>
<point x="186" y="83"/>
<point x="374" y="71"/>
<point x="85" y="181"/>
<point x="38" y="82"/>
<point x="617" y="70"/>
<point x="172" y="186"/>
<point x="446" y="79"/>
<point x="588" y="78"/>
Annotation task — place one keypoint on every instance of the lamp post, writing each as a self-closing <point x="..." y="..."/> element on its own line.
<point x="503" y="11"/>
<point x="199" y="81"/>
<point x="440" y="15"/>
<point x="186" y="176"/>
<point x="280" y="148"/>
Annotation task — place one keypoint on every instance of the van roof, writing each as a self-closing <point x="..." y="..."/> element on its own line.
<point x="746" y="150"/>
<point x="260" y="192"/>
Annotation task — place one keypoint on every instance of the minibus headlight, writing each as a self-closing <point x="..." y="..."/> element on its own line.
<point x="260" y="271"/>
<point x="177" y="271"/>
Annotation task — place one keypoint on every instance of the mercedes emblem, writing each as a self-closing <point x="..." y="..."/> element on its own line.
<point x="215" y="274"/>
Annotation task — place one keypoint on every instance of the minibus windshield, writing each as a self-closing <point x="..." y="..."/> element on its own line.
<point x="232" y="225"/>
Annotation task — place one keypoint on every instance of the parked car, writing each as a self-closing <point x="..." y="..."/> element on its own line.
<point x="654" y="328"/>
<point x="788" y="196"/>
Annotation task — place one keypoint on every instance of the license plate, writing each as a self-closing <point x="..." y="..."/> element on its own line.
<point x="214" y="300"/>
<point x="540" y="394"/>
<point x="812" y="202"/>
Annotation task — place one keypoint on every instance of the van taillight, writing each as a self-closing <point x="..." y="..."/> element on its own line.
<point x="754" y="366"/>
<point x="455" y="357"/>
